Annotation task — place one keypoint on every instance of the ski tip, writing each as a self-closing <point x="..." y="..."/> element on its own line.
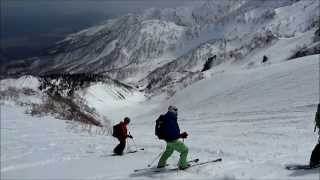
<point x="132" y="151"/>
<point x="301" y="167"/>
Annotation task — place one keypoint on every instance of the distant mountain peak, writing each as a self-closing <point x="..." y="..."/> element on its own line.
<point x="133" y="47"/>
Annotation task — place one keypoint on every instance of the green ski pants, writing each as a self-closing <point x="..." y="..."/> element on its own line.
<point x="178" y="146"/>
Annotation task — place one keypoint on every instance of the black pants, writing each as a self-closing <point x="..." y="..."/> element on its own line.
<point x="120" y="147"/>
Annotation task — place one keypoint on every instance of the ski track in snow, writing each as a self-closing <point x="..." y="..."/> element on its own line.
<point x="256" y="125"/>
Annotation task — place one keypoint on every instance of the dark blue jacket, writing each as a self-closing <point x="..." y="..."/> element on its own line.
<point x="171" y="127"/>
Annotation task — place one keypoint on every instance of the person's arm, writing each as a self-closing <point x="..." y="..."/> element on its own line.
<point x="129" y="136"/>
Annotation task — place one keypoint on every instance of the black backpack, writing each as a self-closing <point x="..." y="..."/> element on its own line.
<point x="159" y="128"/>
<point x="116" y="130"/>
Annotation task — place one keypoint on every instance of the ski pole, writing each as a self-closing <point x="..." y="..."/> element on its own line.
<point x="149" y="165"/>
<point x="128" y="147"/>
<point x="134" y="143"/>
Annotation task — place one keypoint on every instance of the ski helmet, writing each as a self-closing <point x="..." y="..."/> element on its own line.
<point x="127" y="120"/>
<point x="173" y="109"/>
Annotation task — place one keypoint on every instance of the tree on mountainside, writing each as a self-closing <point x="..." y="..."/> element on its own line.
<point x="208" y="64"/>
<point x="264" y="59"/>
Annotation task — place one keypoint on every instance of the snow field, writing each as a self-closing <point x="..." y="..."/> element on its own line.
<point x="256" y="120"/>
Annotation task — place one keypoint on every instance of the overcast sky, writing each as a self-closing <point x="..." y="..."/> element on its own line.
<point x="30" y="25"/>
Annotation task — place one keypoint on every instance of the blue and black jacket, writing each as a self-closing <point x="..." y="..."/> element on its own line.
<point x="171" y="127"/>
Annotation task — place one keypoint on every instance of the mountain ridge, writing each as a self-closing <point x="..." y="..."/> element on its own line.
<point x="132" y="48"/>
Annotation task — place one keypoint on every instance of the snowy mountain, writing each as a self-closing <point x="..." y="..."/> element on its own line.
<point x="142" y="48"/>
<point x="243" y="73"/>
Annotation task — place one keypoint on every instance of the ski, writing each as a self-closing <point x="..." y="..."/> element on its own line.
<point x="191" y="165"/>
<point x="194" y="160"/>
<point x="301" y="167"/>
<point x="155" y="168"/>
<point x="134" y="151"/>
<point x="128" y="152"/>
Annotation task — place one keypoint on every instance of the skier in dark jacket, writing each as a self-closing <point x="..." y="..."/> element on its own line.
<point x="172" y="135"/>
<point x="121" y="134"/>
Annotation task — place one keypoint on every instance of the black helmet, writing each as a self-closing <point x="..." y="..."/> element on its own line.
<point x="127" y="120"/>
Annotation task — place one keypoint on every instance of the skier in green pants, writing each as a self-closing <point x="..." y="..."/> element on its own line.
<point x="167" y="128"/>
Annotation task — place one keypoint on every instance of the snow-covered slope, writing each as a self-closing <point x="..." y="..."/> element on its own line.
<point x="257" y="120"/>
<point x="23" y="90"/>
<point x="62" y="95"/>
<point x="108" y="99"/>
<point x="230" y="66"/>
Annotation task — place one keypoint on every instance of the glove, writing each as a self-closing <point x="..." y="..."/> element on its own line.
<point x="129" y="136"/>
<point x="184" y="135"/>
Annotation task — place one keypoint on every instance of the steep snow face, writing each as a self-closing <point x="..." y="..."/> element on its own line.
<point x="213" y="11"/>
<point x="257" y="116"/>
<point x="145" y="44"/>
<point x="242" y="38"/>
<point x="118" y="48"/>
<point x="276" y="82"/>
<point x="296" y="18"/>
<point x="257" y="120"/>
<point x="221" y="53"/>
<point x="107" y="99"/>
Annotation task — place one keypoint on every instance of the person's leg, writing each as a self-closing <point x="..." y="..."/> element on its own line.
<point x="166" y="154"/>
<point x="120" y="147"/>
<point x="183" y="150"/>
<point x="116" y="149"/>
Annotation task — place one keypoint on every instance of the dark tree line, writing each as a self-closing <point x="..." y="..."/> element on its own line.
<point x="58" y="84"/>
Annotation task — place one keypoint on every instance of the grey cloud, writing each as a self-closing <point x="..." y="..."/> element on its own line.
<point x="45" y="21"/>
